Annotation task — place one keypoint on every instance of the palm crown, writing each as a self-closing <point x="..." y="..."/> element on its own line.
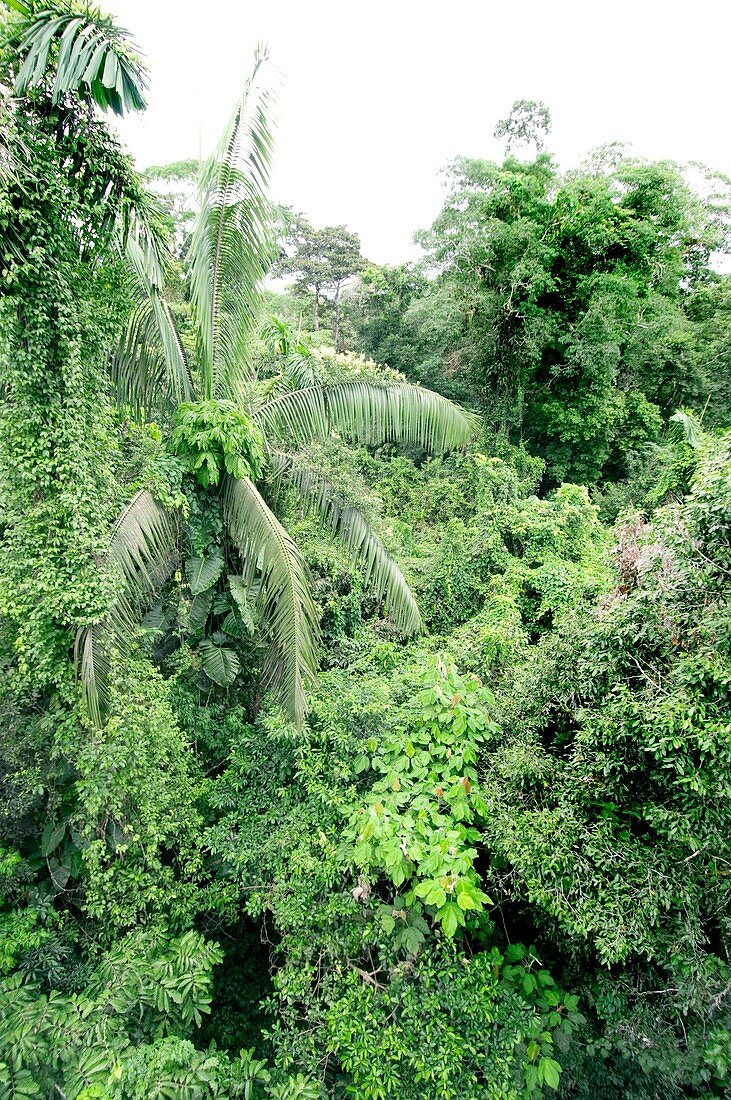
<point x="230" y="428"/>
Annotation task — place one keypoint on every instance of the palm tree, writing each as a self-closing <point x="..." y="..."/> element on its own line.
<point x="230" y="427"/>
<point x="82" y="50"/>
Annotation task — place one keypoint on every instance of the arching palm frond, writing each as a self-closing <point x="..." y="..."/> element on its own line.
<point x="371" y="413"/>
<point x="231" y="244"/>
<point x="142" y="233"/>
<point x="288" y="611"/>
<point x="143" y="548"/>
<point x="94" y="58"/>
<point x="381" y="573"/>
<point x="149" y="367"/>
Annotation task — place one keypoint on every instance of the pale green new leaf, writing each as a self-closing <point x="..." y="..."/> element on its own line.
<point x="690" y="429"/>
<point x="381" y="573"/>
<point x="245" y="597"/>
<point x="288" y="613"/>
<point x="142" y="550"/>
<point x="370" y="413"/>
<point x="231" y="245"/>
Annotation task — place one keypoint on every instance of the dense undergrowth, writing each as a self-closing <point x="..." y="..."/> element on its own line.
<point x="494" y="859"/>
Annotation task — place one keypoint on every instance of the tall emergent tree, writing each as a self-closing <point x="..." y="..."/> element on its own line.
<point x="528" y="123"/>
<point x="322" y="261"/>
<point x="232" y="431"/>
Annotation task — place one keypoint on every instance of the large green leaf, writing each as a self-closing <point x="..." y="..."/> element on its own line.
<point x="199" y="611"/>
<point x="219" y="663"/>
<point x="232" y="242"/>
<point x="369" y="412"/>
<point x="288" y="613"/>
<point x="202" y="573"/>
<point x="94" y="59"/>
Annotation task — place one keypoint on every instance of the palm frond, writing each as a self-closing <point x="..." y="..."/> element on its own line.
<point x="94" y="58"/>
<point x="142" y="549"/>
<point x="231" y="245"/>
<point x="149" y="365"/>
<point x="142" y="227"/>
<point x="381" y="572"/>
<point x="285" y="601"/>
<point x="371" y="413"/>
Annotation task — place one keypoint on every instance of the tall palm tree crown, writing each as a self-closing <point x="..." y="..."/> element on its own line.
<point x="230" y="429"/>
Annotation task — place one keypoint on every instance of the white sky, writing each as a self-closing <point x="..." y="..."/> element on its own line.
<point x="379" y="95"/>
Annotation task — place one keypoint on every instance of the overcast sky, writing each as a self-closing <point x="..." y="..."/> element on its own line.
<point x="378" y="96"/>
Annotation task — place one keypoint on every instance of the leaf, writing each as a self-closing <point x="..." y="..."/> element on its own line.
<point x="95" y="58"/>
<point x="464" y="901"/>
<point x="202" y="573"/>
<point x="219" y="664"/>
<point x="450" y="919"/>
<point x="288" y="612"/>
<point x="142" y="550"/>
<point x="232" y="241"/>
<point x="690" y="430"/>
<point x="435" y="896"/>
<point x="199" y="611"/>
<point x="381" y="572"/>
<point x="156" y="619"/>
<point x="245" y="597"/>
<point x="149" y="367"/>
<point x="550" y="1070"/>
<point x="412" y="939"/>
<point x="371" y="413"/>
<point x="52" y="837"/>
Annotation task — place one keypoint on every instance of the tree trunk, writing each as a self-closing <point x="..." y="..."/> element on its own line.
<point x="336" y="326"/>
<point x="316" y="316"/>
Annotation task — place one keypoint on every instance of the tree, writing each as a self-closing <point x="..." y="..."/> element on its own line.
<point x="176" y="185"/>
<point x="322" y="260"/>
<point x="573" y="293"/>
<point x="230" y="429"/>
<point x="529" y="121"/>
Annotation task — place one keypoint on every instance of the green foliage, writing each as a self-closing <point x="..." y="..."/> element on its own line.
<point x="216" y="437"/>
<point x="420" y="823"/>
<point x="136" y="824"/>
<point x="140" y="988"/>
<point x="59" y="313"/>
<point x="88" y="52"/>
<point x="527" y="122"/>
<point x="578" y="309"/>
<point x="20" y="929"/>
<point x="373" y="872"/>
<point x="450" y="1026"/>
